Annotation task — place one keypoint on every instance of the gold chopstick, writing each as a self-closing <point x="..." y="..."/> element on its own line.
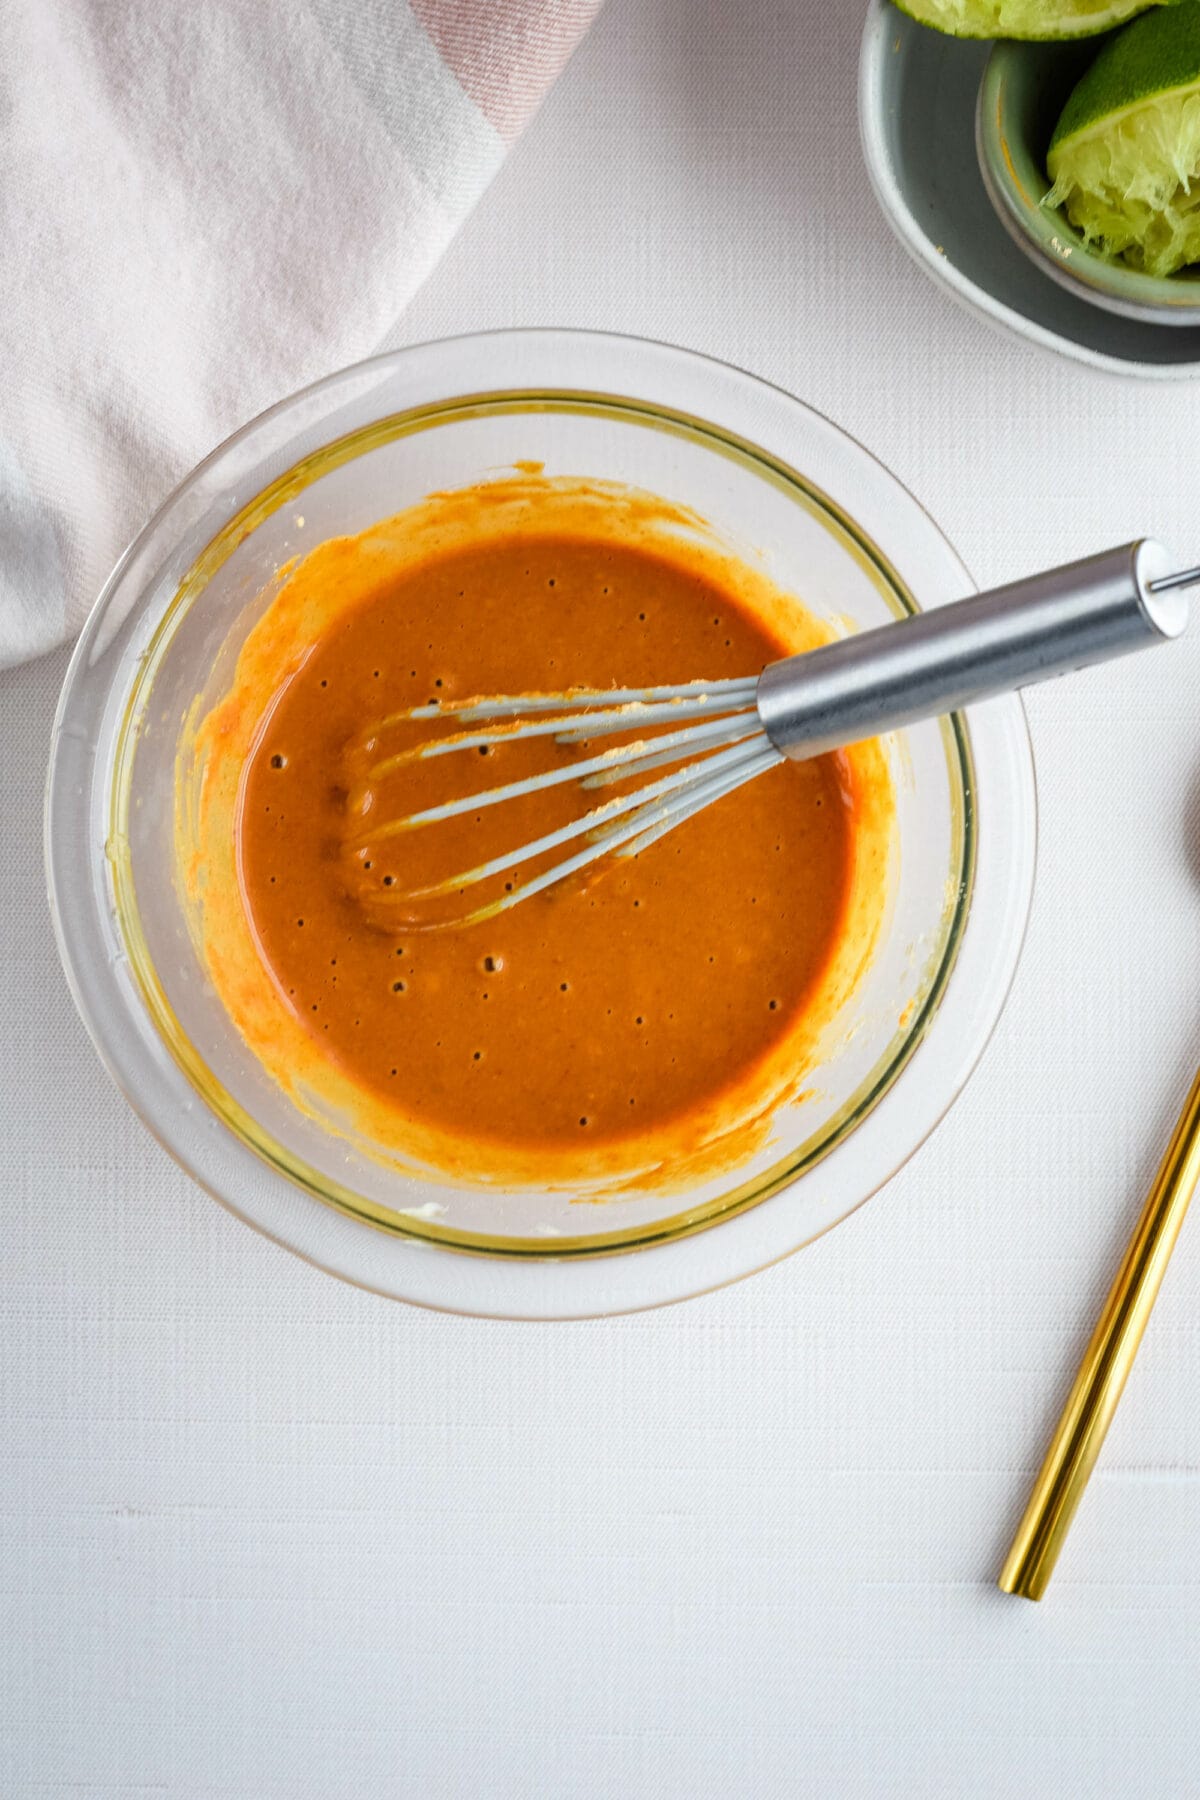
<point x="1106" y="1364"/>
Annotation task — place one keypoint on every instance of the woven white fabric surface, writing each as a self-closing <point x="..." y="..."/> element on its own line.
<point x="263" y="1536"/>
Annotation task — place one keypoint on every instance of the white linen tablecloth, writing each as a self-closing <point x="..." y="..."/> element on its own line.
<point x="264" y="1536"/>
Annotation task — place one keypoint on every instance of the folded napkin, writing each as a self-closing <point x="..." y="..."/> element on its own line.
<point x="203" y="207"/>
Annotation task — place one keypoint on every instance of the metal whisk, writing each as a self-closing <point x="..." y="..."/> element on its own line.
<point x="716" y="736"/>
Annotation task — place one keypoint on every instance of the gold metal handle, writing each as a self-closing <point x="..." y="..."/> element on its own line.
<point x="1106" y="1364"/>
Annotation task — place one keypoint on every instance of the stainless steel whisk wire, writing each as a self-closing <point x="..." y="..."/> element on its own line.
<point x="856" y="687"/>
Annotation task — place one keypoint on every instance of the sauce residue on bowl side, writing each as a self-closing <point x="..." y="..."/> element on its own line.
<point x="647" y="1018"/>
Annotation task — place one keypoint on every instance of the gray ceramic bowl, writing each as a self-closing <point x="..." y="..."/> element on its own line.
<point x="917" y="98"/>
<point x="1023" y="91"/>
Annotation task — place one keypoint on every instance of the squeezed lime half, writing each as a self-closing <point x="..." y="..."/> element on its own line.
<point x="1125" y="155"/>
<point x="1023" y="18"/>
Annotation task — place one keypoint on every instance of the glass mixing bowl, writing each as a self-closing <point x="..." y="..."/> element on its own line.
<point x="772" y="477"/>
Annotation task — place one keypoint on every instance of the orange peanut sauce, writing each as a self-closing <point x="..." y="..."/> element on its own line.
<point x="644" y="1017"/>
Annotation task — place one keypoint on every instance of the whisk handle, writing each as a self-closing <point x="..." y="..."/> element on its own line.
<point x="937" y="661"/>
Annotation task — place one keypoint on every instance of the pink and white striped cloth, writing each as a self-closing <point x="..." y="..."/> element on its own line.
<point x="202" y="207"/>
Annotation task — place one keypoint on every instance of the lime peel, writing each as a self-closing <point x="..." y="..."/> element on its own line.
<point x="1125" y="158"/>
<point x="1045" y="19"/>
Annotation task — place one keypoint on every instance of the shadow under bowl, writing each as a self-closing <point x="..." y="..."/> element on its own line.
<point x="1022" y="94"/>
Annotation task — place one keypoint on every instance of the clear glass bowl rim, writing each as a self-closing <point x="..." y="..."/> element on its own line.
<point x="119" y="1045"/>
